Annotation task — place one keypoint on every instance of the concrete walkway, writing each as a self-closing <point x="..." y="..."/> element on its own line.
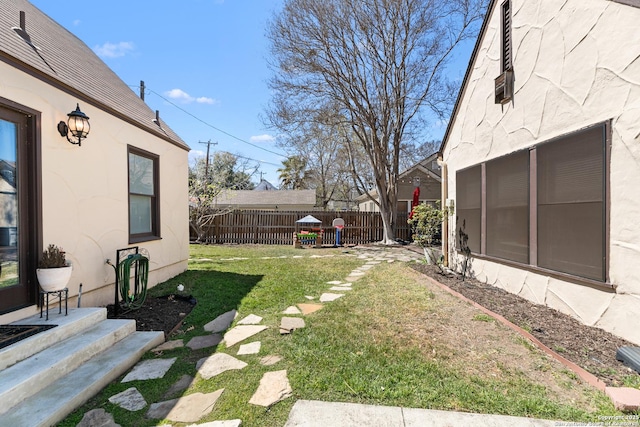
<point x="313" y="413"/>
<point x="274" y="386"/>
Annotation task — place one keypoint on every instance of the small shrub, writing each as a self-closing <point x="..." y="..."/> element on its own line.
<point x="463" y="244"/>
<point x="426" y="220"/>
<point x="53" y="257"/>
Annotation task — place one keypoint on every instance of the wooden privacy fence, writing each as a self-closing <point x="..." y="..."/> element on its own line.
<point x="277" y="227"/>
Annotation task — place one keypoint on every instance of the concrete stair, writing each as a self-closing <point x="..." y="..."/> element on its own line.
<point x="45" y="377"/>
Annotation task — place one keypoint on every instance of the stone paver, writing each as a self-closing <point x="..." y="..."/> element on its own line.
<point x="328" y="297"/>
<point x="334" y="282"/>
<point x="97" y="418"/>
<point x="289" y="324"/>
<point x="209" y="367"/>
<point x="204" y="341"/>
<point x="624" y="398"/>
<point x="225" y="423"/>
<point x="292" y="309"/>
<point x="310" y="308"/>
<point x="130" y="399"/>
<point x="222" y="322"/>
<point x="187" y="409"/>
<point x="169" y="345"/>
<point x="309" y="297"/>
<point x="251" y="348"/>
<point x="149" y="369"/>
<point x="340" y="288"/>
<point x="274" y="387"/>
<point x="241" y="333"/>
<point x="270" y="360"/>
<point x="182" y="384"/>
<point x="251" y="319"/>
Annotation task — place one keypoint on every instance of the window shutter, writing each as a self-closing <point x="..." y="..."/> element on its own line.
<point x="506" y="36"/>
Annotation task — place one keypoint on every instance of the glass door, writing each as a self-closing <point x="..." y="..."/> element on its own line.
<point x="16" y="284"/>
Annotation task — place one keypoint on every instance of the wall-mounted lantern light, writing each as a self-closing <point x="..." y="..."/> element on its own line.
<point x="77" y="125"/>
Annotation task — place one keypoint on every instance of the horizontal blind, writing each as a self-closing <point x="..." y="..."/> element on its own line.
<point x="508" y="207"/>
<point x="571" y="226"/>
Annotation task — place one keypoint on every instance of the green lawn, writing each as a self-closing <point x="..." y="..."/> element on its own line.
<point x="349" y="351"/>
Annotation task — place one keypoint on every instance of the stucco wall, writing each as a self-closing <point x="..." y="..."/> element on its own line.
<point x="576" y="63"/>
<point x="85" y="189"/>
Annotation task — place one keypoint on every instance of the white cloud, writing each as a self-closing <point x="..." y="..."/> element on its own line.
<point x="184" y="97"/>
<point x="262" y="138"/>
<point x="205" y="100"/>
<point x="180" y="95"/>
<point x="113" y="50"/>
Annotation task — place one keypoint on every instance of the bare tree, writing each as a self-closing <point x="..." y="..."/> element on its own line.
<point x="381" y="62"/>
<point x="226" y="172"/>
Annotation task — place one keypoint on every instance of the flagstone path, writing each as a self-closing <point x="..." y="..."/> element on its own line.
<point x="273" y="387"/>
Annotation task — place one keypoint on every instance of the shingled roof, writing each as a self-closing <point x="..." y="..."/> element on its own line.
<point x="258" y="198"/>
<point x="52" y="54"/>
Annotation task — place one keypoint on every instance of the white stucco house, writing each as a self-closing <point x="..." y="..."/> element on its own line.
<point x="124" y="185"/>
<point x="541" y="157"/>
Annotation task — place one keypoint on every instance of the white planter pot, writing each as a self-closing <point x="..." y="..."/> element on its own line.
<point x="53" y="279"/>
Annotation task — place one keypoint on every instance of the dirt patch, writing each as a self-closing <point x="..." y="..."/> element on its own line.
<point x="158" y="314"/>
<point x="449" y="330"/>
<point x="589" y="347"/>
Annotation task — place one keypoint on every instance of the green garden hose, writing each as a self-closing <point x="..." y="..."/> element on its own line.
<point x="134" y="298"/>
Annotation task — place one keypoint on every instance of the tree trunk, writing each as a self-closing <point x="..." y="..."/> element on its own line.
<point x="388" y="214"/>
<point x="389" y="236"/>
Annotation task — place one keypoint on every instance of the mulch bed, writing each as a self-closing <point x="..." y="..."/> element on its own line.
<point x="589" y="347"/>
<point x="158" y="314"/>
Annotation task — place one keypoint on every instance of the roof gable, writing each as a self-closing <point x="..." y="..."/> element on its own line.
<point x="50" y="53"/>
<point x="474" y="55"/>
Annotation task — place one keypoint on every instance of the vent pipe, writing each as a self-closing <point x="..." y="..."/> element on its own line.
<point x="23" y="21"/>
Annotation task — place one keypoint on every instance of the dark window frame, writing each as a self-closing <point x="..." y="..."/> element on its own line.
<point x="533" y="213"/>
<point x="29" y="174"/>
<point x="154" y="234"/>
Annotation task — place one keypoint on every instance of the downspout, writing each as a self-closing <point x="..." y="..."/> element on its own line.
<point x="444" y="184"/>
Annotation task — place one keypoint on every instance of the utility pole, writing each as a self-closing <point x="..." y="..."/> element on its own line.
<point x="209" y="144"/>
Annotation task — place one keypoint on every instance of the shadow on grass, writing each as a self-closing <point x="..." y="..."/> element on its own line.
<point x="216" y="292"/>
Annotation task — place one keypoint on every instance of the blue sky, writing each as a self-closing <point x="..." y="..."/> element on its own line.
<point x="204" y="64"/>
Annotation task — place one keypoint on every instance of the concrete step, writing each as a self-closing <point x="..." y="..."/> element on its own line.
<point x="61" y="397"/>
<point x="76" y="321"/>
<point x="31" y="375"/>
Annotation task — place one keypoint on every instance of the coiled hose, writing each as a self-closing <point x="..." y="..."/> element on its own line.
<point x="134" y="298"/>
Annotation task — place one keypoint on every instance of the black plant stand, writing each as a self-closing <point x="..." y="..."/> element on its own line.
<point x="44" y="296"/>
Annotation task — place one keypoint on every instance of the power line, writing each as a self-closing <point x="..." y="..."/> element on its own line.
<point x="210" y="125"/>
